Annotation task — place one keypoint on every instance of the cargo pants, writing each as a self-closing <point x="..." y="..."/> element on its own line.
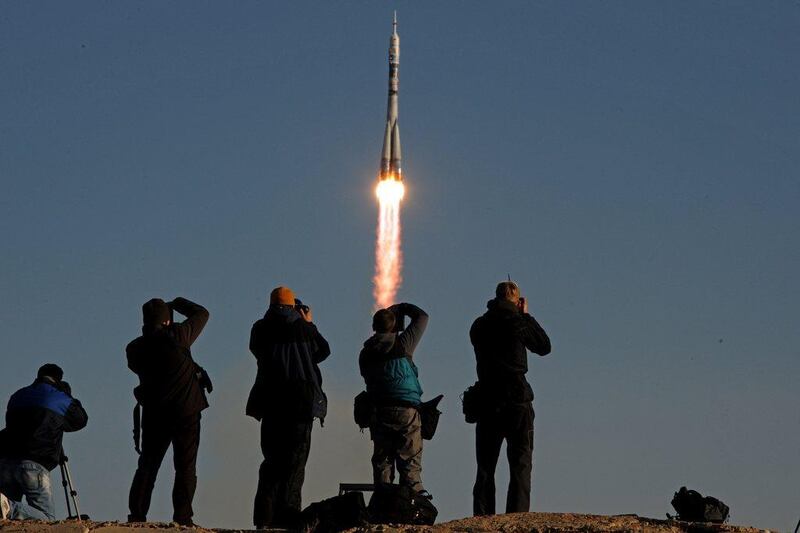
<point x="397" y="438"/>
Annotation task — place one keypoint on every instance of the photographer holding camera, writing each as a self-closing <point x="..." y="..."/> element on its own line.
<point x="286" y="398"/>
<point x="386" y="363"/>
<point x="30" y="446"/>
<point x="171" y="392"/>
<point x="505" y="400"/>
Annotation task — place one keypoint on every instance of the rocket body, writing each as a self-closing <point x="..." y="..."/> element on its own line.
<point x="391" y="156"/>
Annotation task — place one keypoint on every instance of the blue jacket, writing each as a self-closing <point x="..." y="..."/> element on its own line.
<point x="386" y="361"/>
<point x="36" y="419"/>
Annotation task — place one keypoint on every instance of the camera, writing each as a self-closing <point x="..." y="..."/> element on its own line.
<point x="399" y="319"/>
<point x="300" y="306"/>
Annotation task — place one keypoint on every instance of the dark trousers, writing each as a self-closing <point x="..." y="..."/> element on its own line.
<point x="158" y="432"/>
<point x="285" y="445"/>
<point x="514" y="424"/>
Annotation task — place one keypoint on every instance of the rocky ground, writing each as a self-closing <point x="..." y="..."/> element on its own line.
<point x="520" y="522"/>
<point x="565" y="523"/>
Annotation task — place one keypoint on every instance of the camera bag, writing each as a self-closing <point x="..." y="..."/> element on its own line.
<point x="694" y="507"/>
<point x="363" y="410"/>
<point x="429" y="414"/>
<point x="398" y="504"/>
<point x="472" y="403"/>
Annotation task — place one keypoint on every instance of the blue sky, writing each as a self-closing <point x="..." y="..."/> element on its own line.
<point x="633" y="165"/>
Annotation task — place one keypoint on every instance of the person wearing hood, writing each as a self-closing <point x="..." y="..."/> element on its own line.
<point x="172" y="392"/>
<point x="501" y="338"/>
<point x="387" y="365"/>
<point x="30" y="445"/>
<point x="286" y="398"/>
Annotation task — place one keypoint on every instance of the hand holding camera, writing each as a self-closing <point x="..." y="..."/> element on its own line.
<point x="64" y="387"/>
<point x="523" y="304"/>
<point x="304" y="310"/>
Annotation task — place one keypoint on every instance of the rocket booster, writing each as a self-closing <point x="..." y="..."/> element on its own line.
<point x="391" y="155"/>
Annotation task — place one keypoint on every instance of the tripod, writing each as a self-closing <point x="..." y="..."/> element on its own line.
<point x="69" y="491"/>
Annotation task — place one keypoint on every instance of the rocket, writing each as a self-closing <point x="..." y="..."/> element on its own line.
<point x="391" y="155"/>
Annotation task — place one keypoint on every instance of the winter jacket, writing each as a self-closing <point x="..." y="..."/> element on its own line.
<point x="386" y="361"/>
<point x="36" y="419"/>
<point x="168" y="376"/>
<point x="500" y="338"/>
<point x="288" y="383"/>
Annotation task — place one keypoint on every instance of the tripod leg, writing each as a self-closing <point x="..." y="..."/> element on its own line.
<point x="66" y="484"/>
<point x="72" y="492"/>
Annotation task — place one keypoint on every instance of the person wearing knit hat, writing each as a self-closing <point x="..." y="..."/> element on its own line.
<point x="171" y="393"/>
<point x="286" y="398"/>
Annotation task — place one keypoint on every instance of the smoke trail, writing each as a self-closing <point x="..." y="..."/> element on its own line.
<point x="388" y="255"/>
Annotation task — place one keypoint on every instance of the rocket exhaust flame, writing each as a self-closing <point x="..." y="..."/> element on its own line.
<point x="388" y="254"/>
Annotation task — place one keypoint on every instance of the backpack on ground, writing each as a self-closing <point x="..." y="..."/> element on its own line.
<point x="694" y="507"/>
<point x="429" y="414"/>
<point x="341" y="512"/>
<point x="398" y="504"/>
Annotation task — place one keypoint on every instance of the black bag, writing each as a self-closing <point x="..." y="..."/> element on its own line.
<point x="363" y="410"/>
<point x="429" y="413"/>
<point x="472" y="403"/>
<point x="335" y="514"/>
<point x="398" y="504"/>
<point x="694" y="507"/>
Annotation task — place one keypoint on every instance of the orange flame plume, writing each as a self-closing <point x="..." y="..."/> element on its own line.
<point x="388" y="255"/>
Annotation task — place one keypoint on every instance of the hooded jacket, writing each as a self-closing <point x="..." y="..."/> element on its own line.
<point x="36" y="419"/>
<point x="500" y="338"/>
<point x="288" y="383"/>
<point x="386" y="361"/>
<point x="169" y="378"/>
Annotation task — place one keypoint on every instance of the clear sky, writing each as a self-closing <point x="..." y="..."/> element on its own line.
<point x="633" y="165"/>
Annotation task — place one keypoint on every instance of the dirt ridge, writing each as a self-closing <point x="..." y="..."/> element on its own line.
<point x="508" y="523"/>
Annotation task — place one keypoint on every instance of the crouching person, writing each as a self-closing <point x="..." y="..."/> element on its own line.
<point x="386" y="363"/>
<point x="171" y="392"/>
<point x="30" y="445"/>
<point x="286" y="398"/>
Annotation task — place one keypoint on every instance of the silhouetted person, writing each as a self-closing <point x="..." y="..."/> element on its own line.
<point x="286" y="398"/>
<point x="500" y="338"/>
<point x="386" y="363"/>
<point x="172" y="394"/>
<point x="30" y="446"/>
